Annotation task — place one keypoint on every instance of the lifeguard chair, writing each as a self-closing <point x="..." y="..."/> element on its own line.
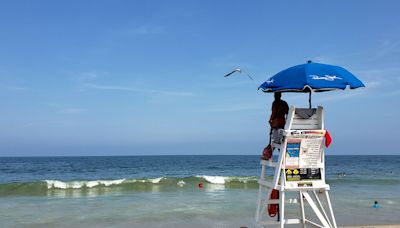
<point x="299" y="171"/>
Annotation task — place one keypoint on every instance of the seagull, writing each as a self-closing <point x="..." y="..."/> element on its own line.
<point x="240" y="71"/>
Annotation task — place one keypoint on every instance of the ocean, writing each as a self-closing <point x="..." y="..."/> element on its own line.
<point x="164" y="191"/>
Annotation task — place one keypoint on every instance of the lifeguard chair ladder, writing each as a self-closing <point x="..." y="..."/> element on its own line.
<point x="300" y="141"/>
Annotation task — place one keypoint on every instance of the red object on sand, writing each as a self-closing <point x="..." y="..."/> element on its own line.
<point x="200" y="185"/>
<point x="328" y="139"/>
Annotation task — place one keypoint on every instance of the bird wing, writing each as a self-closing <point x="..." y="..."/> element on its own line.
<point x="230" y="73"/>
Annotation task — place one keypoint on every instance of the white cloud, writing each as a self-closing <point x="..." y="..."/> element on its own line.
<point x="392" y="93"/>
<point x="323" y="59"/>
<point x="87" y="76"/>
<point x="340" y="95"/>
<point x="385" y="48"/>
<point x="16" y="88"/>
<point x="380" y="73"/>
<point x="231" y="61"/>
<point x="237" y="108"/>
<point x="372" y="84"/>
<point x="72" y="110"/>
<point x="141" y="30"/>
<point x="234" y="84"/>
<point x="61" y="108"/>
<point x="146" y="30"/>
<point x="137" y="90"/>
<point x="54" y="105"/>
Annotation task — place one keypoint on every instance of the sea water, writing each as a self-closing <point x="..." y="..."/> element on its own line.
<point x="164" y="191"/>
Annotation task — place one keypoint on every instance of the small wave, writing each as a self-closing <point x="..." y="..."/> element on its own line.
<point x="141" y="184"/>
<point x="57" y="184"/>
<point x="228" y="179"/>
<point x="82" y="187"/>
<point x="156" y="180"/>
<point x="214" y="179"/>
<point x="81" y="184"/>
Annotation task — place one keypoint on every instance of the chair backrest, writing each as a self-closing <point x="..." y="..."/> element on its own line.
<point x="305" y="119"/>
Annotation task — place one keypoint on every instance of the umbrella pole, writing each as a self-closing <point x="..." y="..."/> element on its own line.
<point x="309" y="98"/>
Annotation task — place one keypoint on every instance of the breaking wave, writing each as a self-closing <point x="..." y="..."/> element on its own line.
<point x="160" y="184"/>
<point x="47" y="187"/>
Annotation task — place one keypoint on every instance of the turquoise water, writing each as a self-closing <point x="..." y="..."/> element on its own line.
<point x="162" y="191"/>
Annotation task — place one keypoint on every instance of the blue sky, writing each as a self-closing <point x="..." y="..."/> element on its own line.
<point x="146" y="77"/>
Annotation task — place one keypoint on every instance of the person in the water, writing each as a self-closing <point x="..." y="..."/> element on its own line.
<point x="376" y="205"/>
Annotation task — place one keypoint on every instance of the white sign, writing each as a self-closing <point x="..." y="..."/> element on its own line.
<point x="310" y="153"/>
<point x="304" y="152"/>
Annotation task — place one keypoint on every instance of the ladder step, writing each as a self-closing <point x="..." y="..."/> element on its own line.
<point x="285" y="221"/>
<point x="265" y="183"/>
<point x="273" y="201"/>
<point x="276" y="201"/>
<point x="292" y="221"/>
<point x="269" y="163"/>
<point x="268" y="223"/>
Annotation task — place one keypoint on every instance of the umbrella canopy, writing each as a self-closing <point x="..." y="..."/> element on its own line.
<point x="315" y="77"/>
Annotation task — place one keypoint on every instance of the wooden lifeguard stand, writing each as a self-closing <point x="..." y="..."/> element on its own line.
<point x="300" y="169"/>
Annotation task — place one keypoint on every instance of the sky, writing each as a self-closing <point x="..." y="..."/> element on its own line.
<point x="146" y="77"/>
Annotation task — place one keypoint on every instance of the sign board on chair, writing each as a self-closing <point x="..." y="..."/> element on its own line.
<point x="300" y="169"/>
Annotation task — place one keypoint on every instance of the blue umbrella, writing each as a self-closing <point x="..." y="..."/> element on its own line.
<point x="311" y="77"/>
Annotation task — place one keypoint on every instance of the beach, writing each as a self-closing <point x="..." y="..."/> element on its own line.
<point x="164" y="191"/>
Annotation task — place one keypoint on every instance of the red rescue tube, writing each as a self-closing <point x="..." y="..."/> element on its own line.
<point x="273" y="209"/>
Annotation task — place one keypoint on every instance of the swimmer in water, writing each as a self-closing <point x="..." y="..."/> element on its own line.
<point x="376" y="205"/>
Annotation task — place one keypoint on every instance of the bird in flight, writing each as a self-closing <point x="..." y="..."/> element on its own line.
<point x="240" y="71"/>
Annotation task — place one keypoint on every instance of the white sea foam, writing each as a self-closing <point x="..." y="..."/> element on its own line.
<point x="214" y="179"/>
<point x="181" y="183"/>
<point x="242" y="179"/>
<point x="224" y="179"/>
<point x="80" y="184"/>
<point x="219" y="180"/>
<point x="156" y="180"/>
<point x="391" y="202"/>
<point x="56" y="184"/>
